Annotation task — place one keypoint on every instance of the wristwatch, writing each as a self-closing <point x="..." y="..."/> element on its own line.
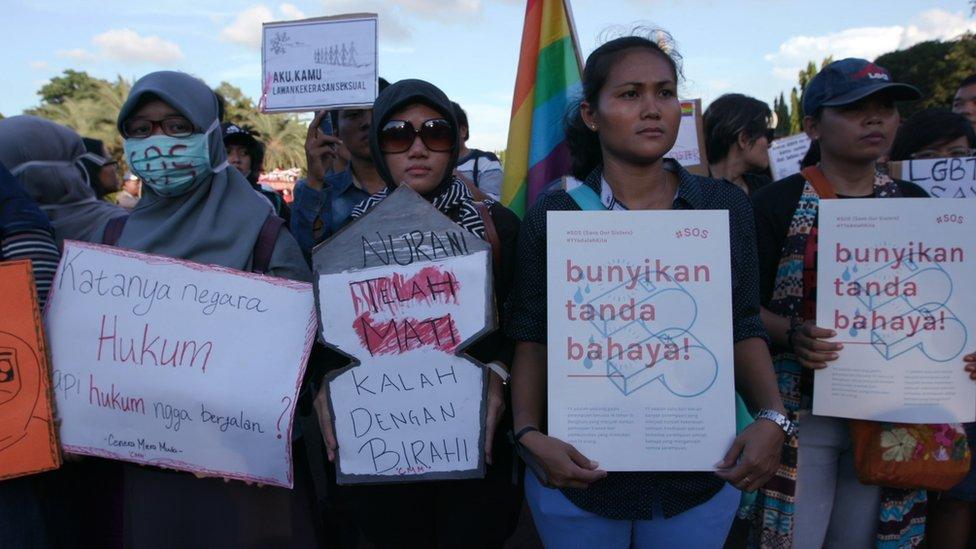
<point x="784" y="422"/>
<point x="500" y="371"/>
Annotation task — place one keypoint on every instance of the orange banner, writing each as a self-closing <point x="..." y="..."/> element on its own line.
<point x="28" y="438"/>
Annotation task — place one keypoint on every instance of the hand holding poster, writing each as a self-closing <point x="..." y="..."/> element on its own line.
<point x="892" y="281"/>
<point x="28" y="438"/>
<point x="640" y="374"/>
<point x="786" y="153"/>
<point x="404" y="305"/>
<point x="319" y="63"/>
<point x="940" y="177"/>
<point x="170" y="363"/>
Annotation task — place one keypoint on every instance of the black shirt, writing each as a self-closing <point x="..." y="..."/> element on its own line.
<point x="630" y="496"/>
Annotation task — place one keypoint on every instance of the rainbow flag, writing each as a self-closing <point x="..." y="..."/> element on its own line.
<point x="548" y="79"/>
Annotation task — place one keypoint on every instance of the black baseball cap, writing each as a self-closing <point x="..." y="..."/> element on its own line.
<point x="233" y="132"/>
<point x="850" y="80"/>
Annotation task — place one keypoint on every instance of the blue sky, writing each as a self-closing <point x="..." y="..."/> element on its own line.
<point x="468" y="47"/>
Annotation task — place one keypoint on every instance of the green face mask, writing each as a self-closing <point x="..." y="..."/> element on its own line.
<point x="171" y="166"/>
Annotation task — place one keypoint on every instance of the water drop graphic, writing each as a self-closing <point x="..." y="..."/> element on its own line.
<point x="587" y="363"/>
<point x="847" y="275"/>
<point x="587" y="289"/>
<point x="578" y="297"/>
<point x="853" y="332"/>
<point x="854" y="268"/>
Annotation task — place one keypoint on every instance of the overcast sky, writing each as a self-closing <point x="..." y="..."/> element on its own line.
<point x="467" y="47"/>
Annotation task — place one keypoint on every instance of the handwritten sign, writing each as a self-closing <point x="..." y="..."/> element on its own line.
<point x="640" y="345"/>
<point x="28" y="439"/>
<point x="403" y="291"/>
<point x="689" y="149"/>
<point x="891" y="281"/>
<point x="941" y="177"/>
<point x="170" y="363"/>
<point x="319" y="63"/>
<point x="786" y="153"/>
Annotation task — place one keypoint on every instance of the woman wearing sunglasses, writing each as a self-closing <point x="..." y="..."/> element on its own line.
<point x="414" y="142"/>
<point x="194" y="208"/>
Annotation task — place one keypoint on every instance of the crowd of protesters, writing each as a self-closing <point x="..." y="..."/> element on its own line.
<point x="56" y="185"/>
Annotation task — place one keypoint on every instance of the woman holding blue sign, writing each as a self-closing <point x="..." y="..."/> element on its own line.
<point x="619" y="136"/>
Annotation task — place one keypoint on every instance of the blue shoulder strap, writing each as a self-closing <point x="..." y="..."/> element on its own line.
<point x="586" y="198"/>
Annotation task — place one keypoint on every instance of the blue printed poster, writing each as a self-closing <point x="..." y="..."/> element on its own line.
<point x="640" y="370"/>
<point x="893" y="281"/>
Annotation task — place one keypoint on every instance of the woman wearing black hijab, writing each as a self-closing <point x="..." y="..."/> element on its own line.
<point x="103" y="173"/>
<point x="414" y="142"/>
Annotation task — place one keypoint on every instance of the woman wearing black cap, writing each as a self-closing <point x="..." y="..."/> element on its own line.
<point x="849" y="110"/>
<point x="414" y="141"/>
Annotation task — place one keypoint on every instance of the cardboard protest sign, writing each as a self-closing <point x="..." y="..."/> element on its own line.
<point x="166" y="362"/>
<point x="689" y="149"/>
<point x="891" y="280"/>
<point x="320" y="63"/>
<point x="403" y="291"/>
<point x="640" y="373"/>
<point x="28" y="438"/>
<point x="940" y="177"/>
<point x="786" y="153"/>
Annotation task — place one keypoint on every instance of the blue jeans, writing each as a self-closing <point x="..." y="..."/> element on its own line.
<point x="563" y="525"/>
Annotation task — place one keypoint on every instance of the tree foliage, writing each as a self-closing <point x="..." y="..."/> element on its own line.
<point x="936" y="68"/>
<point x="85" y="104"/>
<point x="90" y="106"/>
<point x="283" y="135"/>
<point x="72" y="84"/>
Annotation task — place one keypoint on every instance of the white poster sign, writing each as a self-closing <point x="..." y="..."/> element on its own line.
<point x="940" y="177"/>
<point x="891" y="280"/>
<point x="176" y="364"/>
<point x="403" y="291"/>
<point x="786" y="153"/>
<point x="640" y="374"/>
<point x="321" y="63"/>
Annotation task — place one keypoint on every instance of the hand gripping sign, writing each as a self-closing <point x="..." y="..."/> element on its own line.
<point x="403" y="291"/>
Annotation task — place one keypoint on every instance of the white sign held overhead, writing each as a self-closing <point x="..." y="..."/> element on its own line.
<point x="321" y="63"/>
<point x="786" y="153"/>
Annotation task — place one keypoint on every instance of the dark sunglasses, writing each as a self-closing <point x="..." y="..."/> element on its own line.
<point x="173" y="126"/>
<point x="397" y="136"/>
